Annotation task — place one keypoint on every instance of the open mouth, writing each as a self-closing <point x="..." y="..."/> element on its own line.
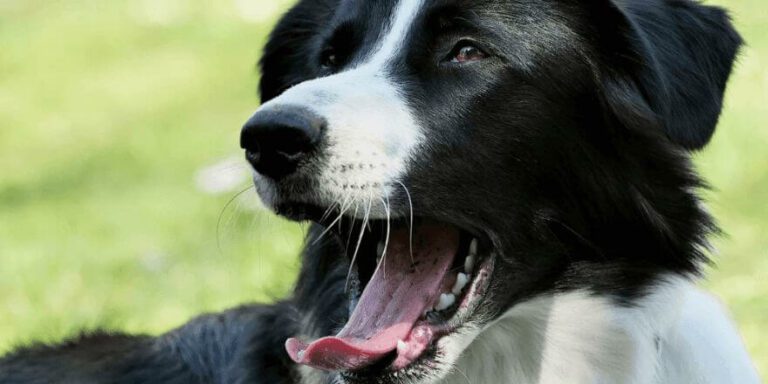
<point x="411" y="285"/>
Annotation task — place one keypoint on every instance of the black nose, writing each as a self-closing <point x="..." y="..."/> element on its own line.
<point x="277" y="140"/>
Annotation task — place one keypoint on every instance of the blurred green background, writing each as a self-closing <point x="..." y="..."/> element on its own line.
<point x="119" y="127"/>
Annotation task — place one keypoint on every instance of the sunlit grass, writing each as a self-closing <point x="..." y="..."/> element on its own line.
<point x="107" y="111"/>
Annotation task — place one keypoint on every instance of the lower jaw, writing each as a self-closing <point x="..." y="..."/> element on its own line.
<point x="396" y="366"/>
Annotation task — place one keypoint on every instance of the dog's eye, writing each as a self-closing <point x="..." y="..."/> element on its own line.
<point x="465" y="52"/>
<point x="329" y="58"/>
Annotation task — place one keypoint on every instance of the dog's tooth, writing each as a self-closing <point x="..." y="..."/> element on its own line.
<point x="379" y="250"/>
<point x="473" y="247"/>
<point x="401" y="346"/>
<point x="469" y="264"/>
<point x="300" y="355"/>
<point x="446" y="300"/>
<point x="461" y="281"/>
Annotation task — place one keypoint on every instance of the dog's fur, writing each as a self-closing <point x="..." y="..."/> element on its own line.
<point x="566" y="148"/>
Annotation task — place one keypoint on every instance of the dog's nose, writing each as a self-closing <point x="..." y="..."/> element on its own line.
<point x="277" y="140"/>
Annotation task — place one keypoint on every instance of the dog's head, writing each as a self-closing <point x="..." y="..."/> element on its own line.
<point x="471" y="154"/>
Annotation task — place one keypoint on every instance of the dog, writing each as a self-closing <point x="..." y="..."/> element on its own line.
<point x="500" y="191"/>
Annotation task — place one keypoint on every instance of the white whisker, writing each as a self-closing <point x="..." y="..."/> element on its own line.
<point x="359" y="242"/>
<point x="351" y="228"/>
<point x="342" y="211"/>
<point x="386" y="239"/>
<point x="410" y="205"/>
<point x="328" y="211"/>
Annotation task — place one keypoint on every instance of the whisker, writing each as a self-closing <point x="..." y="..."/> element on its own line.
<point x="381" y="263"/>
<point x="351" y="228"/>
<point x="359" y="242"/>
<point x="410" y="205"/>
<point x="328" y="211"/>
<point x="342" y="210"/>
<point x="386" y="239"/>
<point x="221" y="215"/>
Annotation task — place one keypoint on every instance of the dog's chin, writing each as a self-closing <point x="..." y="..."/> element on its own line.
<point x="434" y="365"/>
<point x="389" y="281"/>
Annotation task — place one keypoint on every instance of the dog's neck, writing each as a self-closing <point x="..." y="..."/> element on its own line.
<point x="675" y="334"/>
<point x="573" y="337"/>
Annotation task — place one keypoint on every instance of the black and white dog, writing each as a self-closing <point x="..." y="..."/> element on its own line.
<point x="502" y="193"/>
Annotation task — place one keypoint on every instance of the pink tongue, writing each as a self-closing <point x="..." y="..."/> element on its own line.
<point x="396" y="297"/>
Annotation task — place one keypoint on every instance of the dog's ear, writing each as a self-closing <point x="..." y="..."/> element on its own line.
<point x="286" y="58"/>
<point x="664" y="63"/>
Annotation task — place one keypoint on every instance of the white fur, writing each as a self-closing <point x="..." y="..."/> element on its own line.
<point x="404" y="15"/>
<point x="677" y="334"/>
<point x="371" y="131"/>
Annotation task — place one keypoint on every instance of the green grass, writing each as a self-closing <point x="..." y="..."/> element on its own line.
<point x="109" y="108"/>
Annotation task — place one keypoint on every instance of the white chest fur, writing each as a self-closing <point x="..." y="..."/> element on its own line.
<point x="678" y="334"/>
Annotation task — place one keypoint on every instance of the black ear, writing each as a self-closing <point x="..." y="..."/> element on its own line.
<point x="665" y="63"/>
<point x="286" y="58"/>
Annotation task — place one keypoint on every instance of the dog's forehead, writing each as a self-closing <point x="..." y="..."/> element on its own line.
<point x="383" y="27"/>
<point x="379" y="15"/>
<point x="383" y="12"/>
<point x="371" y="13"/>
<point x="378" y="22"/>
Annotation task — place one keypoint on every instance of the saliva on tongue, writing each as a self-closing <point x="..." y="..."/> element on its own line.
<point x="403" y="287"/>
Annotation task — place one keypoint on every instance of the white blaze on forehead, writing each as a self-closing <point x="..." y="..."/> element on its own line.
<point x="371" y="131"/>
<point x="403" y="16"/>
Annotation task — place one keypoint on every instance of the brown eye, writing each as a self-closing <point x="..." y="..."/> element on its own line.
<point x="466" y="52"/>
<point x="329" y="58"/>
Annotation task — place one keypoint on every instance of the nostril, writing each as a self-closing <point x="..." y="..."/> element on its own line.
<point x="253" y="156"/>
<point x="277" y="140"/>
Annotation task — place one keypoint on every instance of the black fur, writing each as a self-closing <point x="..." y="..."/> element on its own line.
<point x="578" y="173"/>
